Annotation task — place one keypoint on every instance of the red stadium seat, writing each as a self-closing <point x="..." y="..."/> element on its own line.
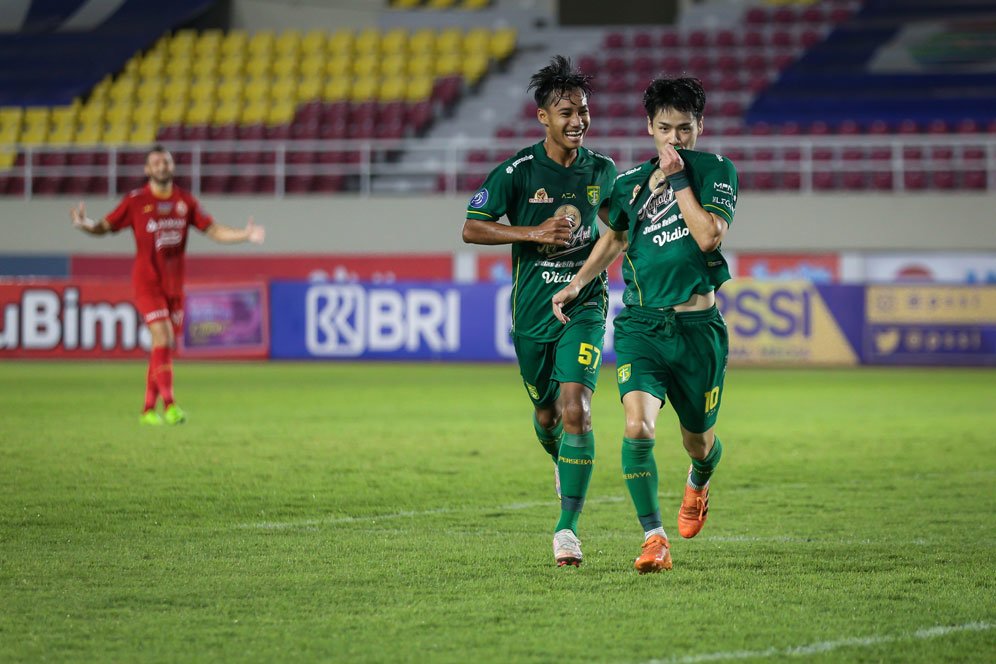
<point x="824" y="181"/>
<point x="967" y="126"/>
<point x="756" y="16"/>
<point x="783" y="38"/>
<point x="849" y="128"/>
<point x="879" y="128"/>
<point x="944" y="180"/>
<point x="615" y="40"/>
<point x="698" y="39"/>
<point x="908" y="127"/>
<point x="915" y="180"/>
<point x="670" y="40"/>
<point x="810" y="38"/>
<point x="643" y="40"/>
<point x="754" y="39"/>
<point x="726" y="38"/>
<point x="812" y="14"/>
<point x="854" y="180"/>
<point x="791" y="180"/>
<point x="882" y="180"/>
<point x="214" y="184"/>
<point x="783" y="16"/>
<point x="299" y="184"/>
<point x="975" y="180"/>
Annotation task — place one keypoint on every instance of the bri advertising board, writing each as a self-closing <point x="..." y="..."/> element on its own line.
<point x="784" y="322"/>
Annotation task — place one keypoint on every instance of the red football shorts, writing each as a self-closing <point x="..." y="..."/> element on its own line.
<point x="155" y="306"/>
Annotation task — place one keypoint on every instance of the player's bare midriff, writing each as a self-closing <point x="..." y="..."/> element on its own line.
<point x="697" y="302"/>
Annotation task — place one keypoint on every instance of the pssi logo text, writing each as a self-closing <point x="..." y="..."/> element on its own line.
<point x="780" y="312"/>
<point x="347" y="320"/>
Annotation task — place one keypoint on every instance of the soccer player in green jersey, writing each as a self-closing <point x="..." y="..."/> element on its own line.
<point x="669" y="215"/>
<point x="551" y="194"/>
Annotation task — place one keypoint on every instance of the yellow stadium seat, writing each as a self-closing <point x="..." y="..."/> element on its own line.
<point x="502" y="43"/>
<point x="288" y="43"/>
<point x="257" y="89"/>
<point x="310" y="89"/>
<point x="232" y="66"/>
<point x="474" y="67"/>
<point x="255" y="112"/>
<point x="151" y="65"/>
<point x="179" y="67"/>
<point x="285" y="66"/>
<point x="368" y="41"/>
<point x="313" y="65"/>
<point x="366" y="65"/>
<point x="393" y="88"/>
<point x="93" y="113"/>
<point x="439" y="4"/>
<point x="119" y="114"/>
<point x="419" y="89"/>
<point x="62" y="115"/>
<point x="205" y="65"/>
<point x="37" y="135"/>
<point x="176" y="90"/>
<point x="199" y="112"/>
<point x="7" y="157"/>
<point x="449" y="40"/>
<point x="148" y="113"/>
<point x="474" y="5"/>
<point x="341" y="42"/>
<point x="173" y="112"/>
<point x="143" y="134"/>
<point x="339" y="66"/>
<point x="258" y="66"/>
<point x="261" y="43"/>
<point x="116" y="134"/>
<point x="394" y="41"/>
<point x="284" y="89"/>
<point x="203" y="89"/>
<point x="365" y="89"/>
<point x="123" y="89"/>
<point x="208" y="43"/>
<point x="477" y="41"/>
<point x="314" y="42"/>
<point x="150" y="89"/>
<point x="281" y="112"/>
<point x="422" y="41"/>
<point x="405" y="4"/>
<point x="62" y="135"/>
<point x="11" y="116"/>
<point x="131" y="66"/>
<point x="234" y="43"/>
<point x="89" y="134"/>
<point x="37" y="116"/>
<point x="337" y="89"/>
<point x="231" y="89"/>
<point x="449" y="64"/>
<point x="227" y="112"/>
<point x="421" y="65"/>
<point x="393" y="65"/>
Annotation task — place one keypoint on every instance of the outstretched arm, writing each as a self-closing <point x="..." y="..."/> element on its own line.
<point x="706" y="228"/>
<point x="229" y="235"/>
<point x="608" y="247"/>
<point x="555" y="230"/>
<point x="85" y="223"/>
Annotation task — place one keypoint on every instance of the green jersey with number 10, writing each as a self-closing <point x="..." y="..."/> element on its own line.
<point x="663" y="265"/>
<point x="528" y="189"/>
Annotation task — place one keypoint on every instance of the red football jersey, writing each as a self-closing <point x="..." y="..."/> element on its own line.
<point x="160" y="227"/>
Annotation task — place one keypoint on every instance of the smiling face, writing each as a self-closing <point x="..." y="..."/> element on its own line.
<point x="566" y="119"/>
<point x="674" y="128"/>
<point x="159" y="168"/>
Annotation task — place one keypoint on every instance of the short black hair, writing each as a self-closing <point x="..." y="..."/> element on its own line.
<point x="158" y="147"/>
<point x="557" y="80"/>
<point x="685" y="95"/>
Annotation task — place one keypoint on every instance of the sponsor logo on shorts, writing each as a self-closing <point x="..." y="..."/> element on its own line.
<point x="624" y="373"/>
<point x="479" y="200"/>
<point x="533" y="392"/>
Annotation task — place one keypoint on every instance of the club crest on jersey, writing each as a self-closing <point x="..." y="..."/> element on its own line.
<point x="594" y="194"/>
<point x="624" y="373"/>
<point x="479" y="199"/>
<point x="181" y="208"/>
<point x="541" y="196"/>
<point x="147" y="209"/>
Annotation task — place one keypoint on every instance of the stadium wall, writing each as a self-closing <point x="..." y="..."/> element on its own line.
<point x="353" y="225"/>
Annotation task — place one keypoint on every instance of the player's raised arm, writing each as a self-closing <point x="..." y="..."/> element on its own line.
<point x="229" y="235"/>
<point x="85" y="223"/>
<point x="705" y="227"/>
<point x="555" y="231"/>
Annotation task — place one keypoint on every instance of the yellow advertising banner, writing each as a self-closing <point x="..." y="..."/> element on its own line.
<point x="785" y="322"/>
<point x="931" y="304"/>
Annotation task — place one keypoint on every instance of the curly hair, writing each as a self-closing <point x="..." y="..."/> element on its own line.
<point x="557" y="80"/>
<point x="685" y="95"/>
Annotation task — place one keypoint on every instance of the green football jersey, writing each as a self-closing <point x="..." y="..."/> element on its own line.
<point x="663" y="265"/>
<point x="529" y="188"/>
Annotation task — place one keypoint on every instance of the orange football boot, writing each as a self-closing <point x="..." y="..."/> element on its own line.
<point x="655" y="557"/>
<point x="694" y="510"/>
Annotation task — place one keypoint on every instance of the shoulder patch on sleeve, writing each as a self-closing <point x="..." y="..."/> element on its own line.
<point x="480" y="199"/>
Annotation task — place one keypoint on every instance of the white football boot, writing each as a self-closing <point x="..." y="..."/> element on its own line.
<point x="567" y="548"/>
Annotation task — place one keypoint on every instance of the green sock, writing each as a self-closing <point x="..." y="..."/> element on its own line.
<point x="550" y="438"/>
<point x="576" y="461"/>
<point x="640" y="472"/>
<point x="702" y="469"/>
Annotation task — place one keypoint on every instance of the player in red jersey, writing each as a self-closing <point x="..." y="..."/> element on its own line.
<point x="159" y="215"/>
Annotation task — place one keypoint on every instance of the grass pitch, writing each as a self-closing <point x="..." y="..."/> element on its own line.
<point x="366" y="512"/>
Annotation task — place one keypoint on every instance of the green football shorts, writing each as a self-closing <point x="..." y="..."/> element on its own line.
<point x="575" y="357"/>
<point x="679" y="357"/>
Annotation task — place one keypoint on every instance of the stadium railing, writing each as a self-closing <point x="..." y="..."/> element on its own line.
<point x="410" y="166"/>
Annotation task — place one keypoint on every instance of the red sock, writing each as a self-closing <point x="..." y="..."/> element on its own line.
<point x="151" y="389"/>
<point x="162" y="371"/>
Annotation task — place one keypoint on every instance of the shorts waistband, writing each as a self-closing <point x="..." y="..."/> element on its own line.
<point x="669" y="314"/>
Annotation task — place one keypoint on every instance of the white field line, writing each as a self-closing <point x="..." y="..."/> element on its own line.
<point x="827" y="646"/>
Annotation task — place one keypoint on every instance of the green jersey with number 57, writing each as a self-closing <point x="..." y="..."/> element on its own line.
<point x="529" y="188"/>
<point x="663" y="265"/>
